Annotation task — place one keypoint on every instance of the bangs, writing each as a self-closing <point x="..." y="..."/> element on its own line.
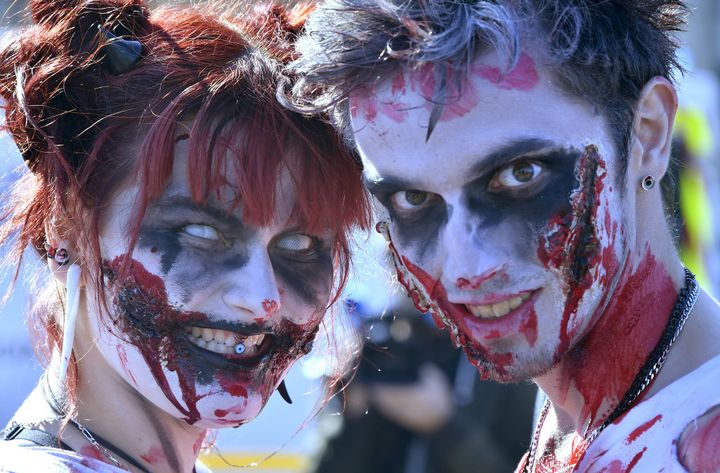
<point x="240" y="142"/>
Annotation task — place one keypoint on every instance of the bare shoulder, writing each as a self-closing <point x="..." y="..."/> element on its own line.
<point x="699" y="444"/>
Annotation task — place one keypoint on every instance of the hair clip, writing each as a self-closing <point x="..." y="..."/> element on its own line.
<point x="121" y="55"/>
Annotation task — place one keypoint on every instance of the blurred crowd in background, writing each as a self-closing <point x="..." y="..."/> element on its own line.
<point x="414" y="404"/>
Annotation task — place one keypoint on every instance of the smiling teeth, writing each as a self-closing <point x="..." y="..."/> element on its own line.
<point x="223" y="341"/>
<point x="493" y="311"/>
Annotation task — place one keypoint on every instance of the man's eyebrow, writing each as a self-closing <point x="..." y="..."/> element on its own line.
<point x="510" y="151"/>
<point x="386" y="184"/>
<point x="171" y="203"/>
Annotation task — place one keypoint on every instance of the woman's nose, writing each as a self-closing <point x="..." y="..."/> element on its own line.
<point x="253" y="288"/>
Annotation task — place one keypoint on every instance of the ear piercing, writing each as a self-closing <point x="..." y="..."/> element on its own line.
<point x="648" y="182"/>
<point x="60" y="255"/>
<point x="239" y="348"/>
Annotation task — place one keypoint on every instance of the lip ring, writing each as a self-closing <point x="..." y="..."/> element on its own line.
<point x="233" y="361"/>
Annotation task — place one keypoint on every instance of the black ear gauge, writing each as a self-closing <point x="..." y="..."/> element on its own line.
<point x="121" y="55"/>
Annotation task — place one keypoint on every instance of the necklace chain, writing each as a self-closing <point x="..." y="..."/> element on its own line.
<point x="681" y="311"/>
<point x="54" y="405"/>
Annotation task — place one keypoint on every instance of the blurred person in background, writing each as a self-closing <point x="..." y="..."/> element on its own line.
<point x="521" y="150"/>
<point x="415" y="405"/>
<point x="195" y="232"/>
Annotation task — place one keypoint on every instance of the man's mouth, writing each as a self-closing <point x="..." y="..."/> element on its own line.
<point x="498" y="309"/>
<point x="226" y="342"/>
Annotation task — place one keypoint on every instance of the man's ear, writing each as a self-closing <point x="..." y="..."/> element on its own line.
<point x="653" y="128"/>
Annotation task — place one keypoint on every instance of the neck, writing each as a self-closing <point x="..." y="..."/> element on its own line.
<point x="152" y="437"/>
<point x="592" y="378"/>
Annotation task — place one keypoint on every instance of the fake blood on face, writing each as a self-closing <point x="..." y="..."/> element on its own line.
<point x="156" y="329"/>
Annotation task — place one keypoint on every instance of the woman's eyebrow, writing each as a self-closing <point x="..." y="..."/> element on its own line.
<point x="171" y="203"/>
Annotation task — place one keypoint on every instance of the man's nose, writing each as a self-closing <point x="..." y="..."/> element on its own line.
<point x="253" y="287"/>
<point x="473" y="256"/>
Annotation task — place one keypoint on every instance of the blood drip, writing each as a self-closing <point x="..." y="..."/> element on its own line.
<point x="642" y="429"/>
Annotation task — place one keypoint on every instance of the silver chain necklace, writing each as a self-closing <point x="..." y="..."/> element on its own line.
<point x="681" y="311"/>
<point x="55" y="406"/>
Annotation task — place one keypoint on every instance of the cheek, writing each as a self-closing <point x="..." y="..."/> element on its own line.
<point x="579" y="244"/>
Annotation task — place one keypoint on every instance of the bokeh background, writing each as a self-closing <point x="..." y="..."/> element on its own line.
<point x="296" y="439"/>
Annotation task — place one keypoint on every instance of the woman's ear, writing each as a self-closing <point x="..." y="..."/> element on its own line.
<point x="653" y="128"/>
<point x="59" y="252"/>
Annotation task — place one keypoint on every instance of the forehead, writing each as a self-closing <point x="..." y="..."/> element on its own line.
<point x="227" y="196"/>
<point x="490" y="112"/>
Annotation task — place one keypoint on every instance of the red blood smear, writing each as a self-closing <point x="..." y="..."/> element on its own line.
<point x="91" y="451"/>
<point x="155" y="349"/>
<point x="698" y="447"/>
<point x="153" y="456"/>
<point x="233" y="410"/>
<point x="457" y="101"/>
<point x="529" y="328"/>
<point x="605" y="363"/>
<point x="633" y="463"/>
<point x="437" y="291"/>
<point x="122" y="354"/>
<point x="523" y="76"/>
<point x="269" y="306"/>
<point x="476" y="281"/>
<point x="198" y="443"/>
<point x="642" y="429"/>
<point x="234" y="386"/>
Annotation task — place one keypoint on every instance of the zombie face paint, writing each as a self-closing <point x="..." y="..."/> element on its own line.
<point x="208" y="313"/>
<point x="509" y="216"/>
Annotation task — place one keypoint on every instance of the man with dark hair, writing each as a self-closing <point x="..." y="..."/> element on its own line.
<point x="519" y="149"/>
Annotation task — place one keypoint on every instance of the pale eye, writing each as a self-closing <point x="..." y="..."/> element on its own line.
<point x="296" y="242"/>
<point x="516" y="175"/>
<point x="206" y="232"/>
<point x="410" y="200"/>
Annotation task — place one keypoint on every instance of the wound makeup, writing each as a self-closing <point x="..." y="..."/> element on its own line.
<point x="517" y="213"/>
<point x="144" y="318"/>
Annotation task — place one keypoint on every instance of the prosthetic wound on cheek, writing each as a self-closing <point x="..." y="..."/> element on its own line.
<point x="421" y="298"/>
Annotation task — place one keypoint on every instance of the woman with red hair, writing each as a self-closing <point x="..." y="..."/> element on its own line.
<point x="195" y="231"/>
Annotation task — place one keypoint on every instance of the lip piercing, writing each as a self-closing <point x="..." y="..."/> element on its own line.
<point x="240" y="348"/>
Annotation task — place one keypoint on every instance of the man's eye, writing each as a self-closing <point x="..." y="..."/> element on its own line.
<point x="410" y="200"/>
<point x="295" y="242"/>
<point x="205" y="232"/>
<point x="516" y="175"/>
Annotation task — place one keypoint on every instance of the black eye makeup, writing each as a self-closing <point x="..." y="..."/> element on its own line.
<point x="299" y="247"/>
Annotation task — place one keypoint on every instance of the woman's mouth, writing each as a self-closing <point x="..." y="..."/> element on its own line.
<point x="226" y="342"/>
<point x="500" y="308"/>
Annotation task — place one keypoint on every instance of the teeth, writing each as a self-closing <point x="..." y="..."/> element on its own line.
<point x="492" y="311"/>
<point x="223" y="341"/>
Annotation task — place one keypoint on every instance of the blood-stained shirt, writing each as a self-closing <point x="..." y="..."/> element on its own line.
<point x="646" y="438"/>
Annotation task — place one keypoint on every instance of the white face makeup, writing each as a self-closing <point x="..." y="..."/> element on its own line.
<point x="509" y="214"/>
<point x="211" y="312"/>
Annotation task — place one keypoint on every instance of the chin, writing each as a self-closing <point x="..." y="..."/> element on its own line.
<point x="507" y="365"/>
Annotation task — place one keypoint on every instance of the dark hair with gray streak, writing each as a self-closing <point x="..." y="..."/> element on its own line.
<point x="601" y="51"/>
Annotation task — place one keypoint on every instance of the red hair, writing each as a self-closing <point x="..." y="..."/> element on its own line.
<point x="72" y="120"/>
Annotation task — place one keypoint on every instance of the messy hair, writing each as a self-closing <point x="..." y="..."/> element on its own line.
<point x="83" y="129"/>
<point x="601" y="51"/>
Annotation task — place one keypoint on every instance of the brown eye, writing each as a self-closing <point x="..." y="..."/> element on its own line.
<point x="405" y="201"/>
<point x="523" y="172"/>
<point x="416" y="197"/>
<point x="516" y="175"/>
